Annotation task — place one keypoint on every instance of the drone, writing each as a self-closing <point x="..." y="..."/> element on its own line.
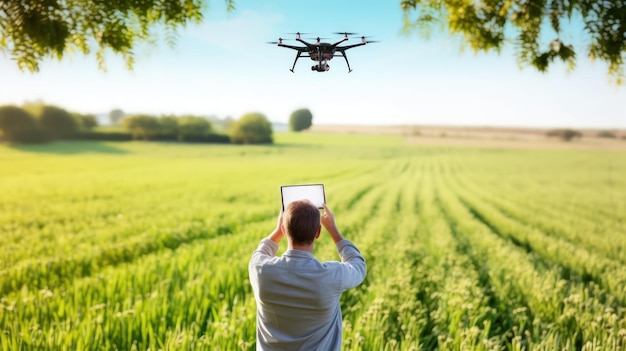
<point x="322" y="52"/>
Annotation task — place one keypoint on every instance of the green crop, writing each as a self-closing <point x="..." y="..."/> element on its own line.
<point x="144" y="246"/>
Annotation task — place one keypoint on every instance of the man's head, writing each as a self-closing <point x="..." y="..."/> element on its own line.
<point x="301" y="222"/>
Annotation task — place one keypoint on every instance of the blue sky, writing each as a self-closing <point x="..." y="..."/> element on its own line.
<point x="224" y="67"/>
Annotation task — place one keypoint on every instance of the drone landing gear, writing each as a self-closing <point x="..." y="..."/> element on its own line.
<point x="343" y="53"/>
<point x="294" y="62"/>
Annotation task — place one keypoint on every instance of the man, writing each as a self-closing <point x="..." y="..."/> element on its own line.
<point x="297" y="296"/>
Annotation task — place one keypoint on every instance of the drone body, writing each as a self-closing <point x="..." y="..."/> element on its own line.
<point x="321" y="52"/>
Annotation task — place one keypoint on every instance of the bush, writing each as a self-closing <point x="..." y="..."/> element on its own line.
<point x="208" y="138"/>
<point x="35" y="108"/>
<point x="57" y="122"/>
<point x="169" y="124"/>
<point x="142" y="126"/>
<point x="300" y="120"/>
<point x="34" y="135"/>
<point x="564" y="134"/>
<point x="606" y="134"/>
<point x="14" y="121"/>
<point x="251" y="128"/>
<point x="86" y="121"/>
<point x="198" y="138"/>
<point x="191" y="126"/>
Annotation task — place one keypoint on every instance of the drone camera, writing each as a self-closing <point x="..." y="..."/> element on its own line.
<point x="320" y="68"/>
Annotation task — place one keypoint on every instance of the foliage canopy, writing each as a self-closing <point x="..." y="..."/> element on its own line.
<point x="31" y="31"/>
<point x="141" y="126"/>
<point x="538" y="27"/>
<point x="57" y="122"/>
<point x="251" y="128"/>
<point x="192" y="126"/>
<point x="300" y="119"/>
<point x="14" y="120"/>
<point x="86" y="121"/>
<point x="38" y="123"/>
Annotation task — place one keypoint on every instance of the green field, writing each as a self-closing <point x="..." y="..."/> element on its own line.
<point x="137" y="246"/>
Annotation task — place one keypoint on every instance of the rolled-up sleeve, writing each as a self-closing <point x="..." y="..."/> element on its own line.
<point x="352" y="264"/>
<point x="266" y="250"/>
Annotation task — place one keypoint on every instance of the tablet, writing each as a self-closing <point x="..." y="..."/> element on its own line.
<point x="313" y="192"/>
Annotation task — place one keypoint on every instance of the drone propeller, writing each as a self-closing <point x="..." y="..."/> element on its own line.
<point x="298" y="34"/>
<point x="280" y="40"/>
<point x="345" y="33"/>
<point x="363" y="38"/>
<point x="318" y="38"/>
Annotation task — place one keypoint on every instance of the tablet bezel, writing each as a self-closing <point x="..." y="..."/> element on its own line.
<point x="283" y="188"/>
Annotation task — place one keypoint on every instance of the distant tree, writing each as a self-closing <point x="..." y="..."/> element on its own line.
<point x="535" y="26"/>
<point x="251" y="128"/>
<point x="189" y="126"/>
<point x="564" y="134"/>
<point x="14" y="121"/>
<point x="142" y="126"/>
<point x="88" y="121"/>
<point x="115" y="116"/>
<point x="35" y="108"/>
<point x="300" y="120"/>
<point x="57" y="122"/>
<point x="606" y="134"/>
<point x="169" y="124"/>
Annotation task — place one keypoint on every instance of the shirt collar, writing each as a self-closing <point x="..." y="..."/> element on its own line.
<point x="298" y="253"/>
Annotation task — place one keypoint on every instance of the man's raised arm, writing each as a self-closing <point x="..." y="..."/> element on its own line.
<point x="269" y="246"/>
<point x="353" y="263"/>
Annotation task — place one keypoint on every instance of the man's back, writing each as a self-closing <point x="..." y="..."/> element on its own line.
<point x="298" y="296"/>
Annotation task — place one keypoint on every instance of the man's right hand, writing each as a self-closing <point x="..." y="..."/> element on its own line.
<point x="328" y="221"/>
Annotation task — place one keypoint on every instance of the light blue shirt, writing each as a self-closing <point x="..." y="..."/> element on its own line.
<point x="297" y="296"/>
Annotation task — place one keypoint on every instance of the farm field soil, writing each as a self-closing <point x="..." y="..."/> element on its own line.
<point x="137" y="246"/>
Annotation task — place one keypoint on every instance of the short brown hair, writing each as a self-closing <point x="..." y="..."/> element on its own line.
<point x="301" y="221"/>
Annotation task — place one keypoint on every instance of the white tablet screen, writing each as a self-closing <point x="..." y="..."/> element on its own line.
<point x="313" y="192"/>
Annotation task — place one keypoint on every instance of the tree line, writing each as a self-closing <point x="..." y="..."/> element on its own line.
<point x="40" y="123"/>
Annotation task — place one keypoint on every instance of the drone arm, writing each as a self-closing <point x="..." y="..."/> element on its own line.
<point x="343" y="48"/>
<point x="299" y="48"/>
<point x="340" y="41"/>
<point x="308" y="45"/>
